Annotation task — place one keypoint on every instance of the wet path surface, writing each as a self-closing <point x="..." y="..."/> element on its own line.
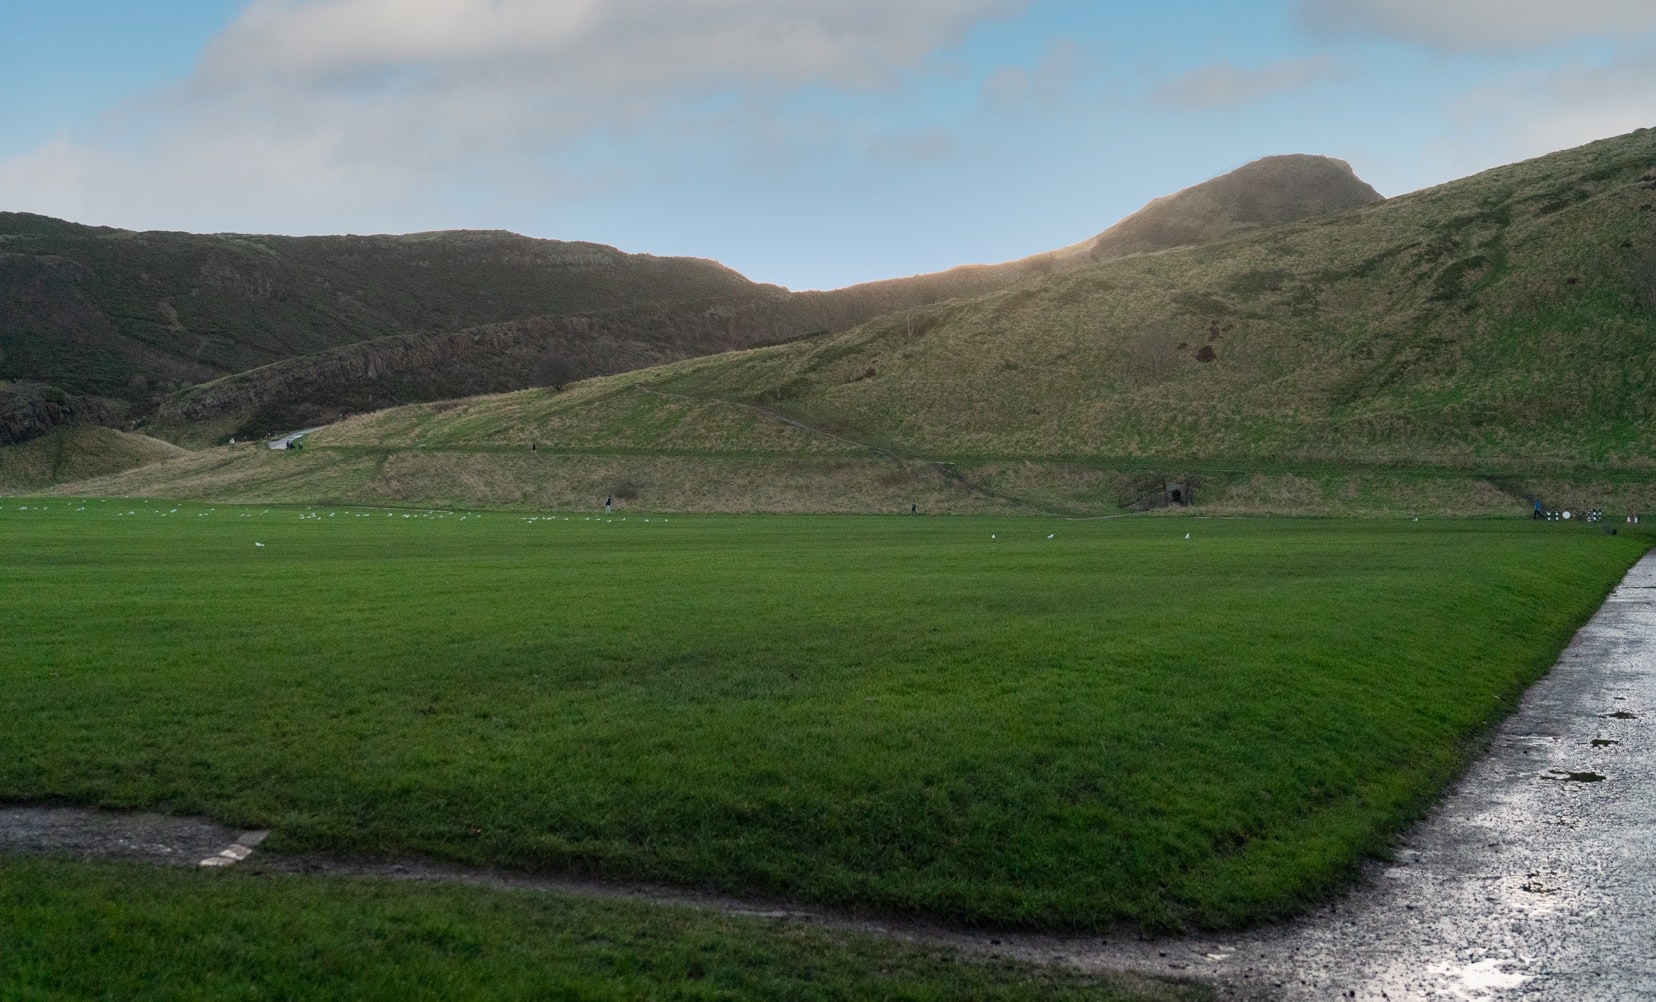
<point x="293" y="436"/>
<point x="1535" y="879"/>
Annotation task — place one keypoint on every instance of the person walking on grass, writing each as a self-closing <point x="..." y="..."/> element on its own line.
<point x="609" y="502"/>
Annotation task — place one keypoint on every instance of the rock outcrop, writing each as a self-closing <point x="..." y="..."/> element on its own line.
<point x="30" y="410"/>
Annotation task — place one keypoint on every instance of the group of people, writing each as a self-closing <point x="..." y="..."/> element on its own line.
<point x="1555" y="515"/>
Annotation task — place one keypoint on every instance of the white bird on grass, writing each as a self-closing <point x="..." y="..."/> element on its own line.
<point x="260" y="545"/>
<point x="1051" y="534"/>
<point x="1187" y="535"/>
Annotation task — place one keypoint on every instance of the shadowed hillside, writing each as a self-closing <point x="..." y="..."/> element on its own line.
<point x="123" y="325"/>
<point x="133" y="316"/>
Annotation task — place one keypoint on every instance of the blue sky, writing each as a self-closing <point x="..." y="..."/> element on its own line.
<point x="810" y="143"/>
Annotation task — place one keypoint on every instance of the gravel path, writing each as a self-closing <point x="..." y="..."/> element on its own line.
<point x="1534" y="880"/>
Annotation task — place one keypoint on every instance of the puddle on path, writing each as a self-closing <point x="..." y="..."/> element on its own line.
<point x="1486" y="975"/>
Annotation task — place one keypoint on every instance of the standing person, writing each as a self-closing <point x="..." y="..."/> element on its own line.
<point x="1537" y="509"/>
<point x="608" y="502"/>
<point x="914" y="509"/>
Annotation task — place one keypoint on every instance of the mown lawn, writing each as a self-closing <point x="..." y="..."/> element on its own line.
<point x="78" y="930"/>
<point x="959" y="718"/>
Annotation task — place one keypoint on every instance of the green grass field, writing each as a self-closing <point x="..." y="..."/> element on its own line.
<point x="76" y="930"/>
<point x="959" y="718"/>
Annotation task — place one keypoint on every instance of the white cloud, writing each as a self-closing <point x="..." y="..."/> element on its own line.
<point x="1460" y="25"/>
<point x="927" y="145"/>
<point x="584" y="45"/>
<point x="1527" y="115"/>
<point x="322" y="115"/>
<point x="1226" y="85"/>
<point x="1015" y="89"/>
<point x="53" y="179"/>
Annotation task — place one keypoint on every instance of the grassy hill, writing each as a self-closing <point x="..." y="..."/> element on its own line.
<point x="127" y="325"/>
<point x="1463" y="348"/>
<point x="1268" y="192"/>
<point x="1505" y="319"/>
<point x="71" y="454"/>
<point x="535" y="351"/>
<point x="134" y="315"/>
<point x="204" y="337"/>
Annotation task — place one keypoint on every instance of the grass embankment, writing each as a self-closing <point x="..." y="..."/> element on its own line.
<point x="75" y="930"/>
<point x="78" y="453"/>
<point x="833" y="477"/>
<point x="1115" y="726"/>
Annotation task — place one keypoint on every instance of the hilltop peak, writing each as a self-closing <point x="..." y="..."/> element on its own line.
<point x="1267" y="192"/>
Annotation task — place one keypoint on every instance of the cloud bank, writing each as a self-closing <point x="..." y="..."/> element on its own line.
<point x="1472" y="25"/>
<point x="342" y="114"/>
<point x="1226" y="85"/>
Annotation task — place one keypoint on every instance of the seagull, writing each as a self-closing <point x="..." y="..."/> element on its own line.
<point x="991" y="535"/>
<point x="1187" y="535"/>
<point x="261" y="545"/>
<point x="1051" y="534"/>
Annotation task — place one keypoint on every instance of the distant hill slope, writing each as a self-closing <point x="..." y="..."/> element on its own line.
<point x="133" y="316"/>
<point x="29" y="410"/>
<point x="122" y="321"/>
<point x="1264" y="193"/>
<point x="554" y="350"/>
<point x="1502" y="327"/>
<point x="67" y="455"/>
<point x="233" y="334"/>
<point x="1509" y="316"/>
<point x="1462" y="349"/>
<point x="536" y="351"/>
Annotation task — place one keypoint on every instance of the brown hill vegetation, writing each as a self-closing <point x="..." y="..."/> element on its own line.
<point x="1467" y="347"/>
<point x="131" y="317"/>
<point x="1264" y="193"/>
<point x="73" y="454"/>
<point x="198" y="338"/>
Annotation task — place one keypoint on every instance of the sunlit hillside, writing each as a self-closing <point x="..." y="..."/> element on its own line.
<point x="1463" y="348"/>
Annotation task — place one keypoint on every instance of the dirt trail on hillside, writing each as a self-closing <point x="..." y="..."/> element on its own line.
<point x="1535" y="879"/>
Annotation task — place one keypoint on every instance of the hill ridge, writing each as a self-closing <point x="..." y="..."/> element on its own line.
<point x="144" y="324"/>
<point x="1496" y="333"/>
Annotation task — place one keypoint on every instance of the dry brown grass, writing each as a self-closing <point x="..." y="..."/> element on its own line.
<point x="1440" y="328"/>
<point x="1389" y="360"/>
<point x="550" y="480"/>
<point x="77" y="453"/>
